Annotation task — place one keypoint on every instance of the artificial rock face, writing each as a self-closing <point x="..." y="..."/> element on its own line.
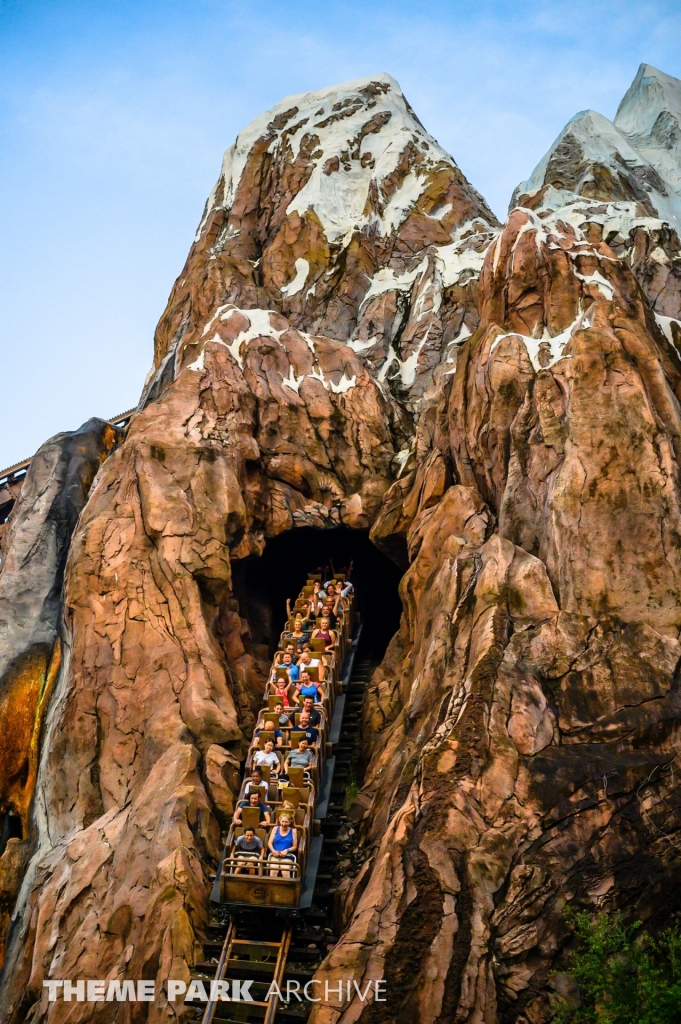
<point x="338" y="210"/>
<point x="520" y="732"/>
<point x="620" y="182"/>
<point x="35" y="550"/>
<point x="354" y="341"/>
<point x="155" y="700"/>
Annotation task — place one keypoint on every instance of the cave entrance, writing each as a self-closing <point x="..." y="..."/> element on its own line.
<point x="262" y="584"/>
<point x="10" y="828"/>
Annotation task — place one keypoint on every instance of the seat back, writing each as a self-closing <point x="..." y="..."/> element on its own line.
<point x="296" y="737"/>
<point x="317" y="645"/>
<point x="280" y="673"/>
<point x="262" y="788"/>
<point x="292" y="794"/>
<point x="303" y="794"/>
<point x="250" y="817"/>
<point x="296" y="777"/>
<point x="271" y="716"/>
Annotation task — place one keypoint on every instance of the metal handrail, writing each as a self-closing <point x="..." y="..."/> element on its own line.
<point x="259" y="865"/>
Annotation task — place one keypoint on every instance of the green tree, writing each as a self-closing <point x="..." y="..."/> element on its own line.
<point x="625" y="976"/>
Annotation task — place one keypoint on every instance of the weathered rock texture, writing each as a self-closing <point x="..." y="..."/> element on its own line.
<point x="522" y="731"/>
<point x="621" y="182"/>
<point x="338" y="210"/>
<point x="10" y="489"/>
<point x="36" y="546"/>
<point x="156" y="696"/>
<point x="504" y="407"/>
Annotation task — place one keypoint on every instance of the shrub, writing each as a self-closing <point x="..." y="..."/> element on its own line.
<point x="625" y="976"/>
<point x="351" y="791"/>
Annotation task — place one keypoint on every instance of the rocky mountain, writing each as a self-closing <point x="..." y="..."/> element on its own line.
<point x="620" y="181"/>
<point x="52" y="497"/>
<point x="354" y="341"/>
<point x="339" y="211"/>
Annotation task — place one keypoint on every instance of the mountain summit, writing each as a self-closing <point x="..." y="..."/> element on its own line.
<point x="364" y="159"/>
<point x="636" y="158"/>
<point x="649" y="117"/>
<point x="337" y="209"/>
<point x="622" y="181"/>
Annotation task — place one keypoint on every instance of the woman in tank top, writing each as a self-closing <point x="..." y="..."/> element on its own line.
<point x="307" y="688"/>
<point x="280" y="691"/>
<point x="325" y="634"/>
<point x="282" y="845"/>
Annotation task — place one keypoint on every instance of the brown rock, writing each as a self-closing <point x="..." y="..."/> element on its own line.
<point x="157" y="694"/>
<point x="505" y="419"/>
<point x="380" y="246"/>
<point x="519" y="742"/>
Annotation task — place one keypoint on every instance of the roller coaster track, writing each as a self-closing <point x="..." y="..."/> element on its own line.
<point x="264" y="959"/>
<point x="278" y="954"/>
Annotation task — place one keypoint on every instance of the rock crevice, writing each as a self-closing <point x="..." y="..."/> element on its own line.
<point x="355" y="342"/>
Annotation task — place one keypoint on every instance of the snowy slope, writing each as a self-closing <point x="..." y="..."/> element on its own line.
<point x="362" y="130"/>
<point x="649" y="116"/>
<point x="635" y="159"/>
<point x="338" y="210"/>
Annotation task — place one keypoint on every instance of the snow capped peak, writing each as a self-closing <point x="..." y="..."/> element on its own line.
<point x="650" y="94"/>
<point x="363" y="154"/>
<point x="337" y="209"/>
<point x="303" y="114"/>
<point x="587" y="138"/>
<point x="650" y="117"/>
<point x="636" y="158"/>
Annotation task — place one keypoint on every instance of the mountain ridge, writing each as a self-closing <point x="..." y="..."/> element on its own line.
<point x="498" y="407"/>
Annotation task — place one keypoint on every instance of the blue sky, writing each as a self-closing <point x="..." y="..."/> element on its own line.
<point x="114" y="116"/>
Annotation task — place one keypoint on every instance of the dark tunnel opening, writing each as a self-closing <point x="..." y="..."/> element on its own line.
<point x="10" y="828"/>
<point x="263" y="584"/>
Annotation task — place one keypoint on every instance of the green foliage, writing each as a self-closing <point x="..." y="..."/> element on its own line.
<point x="351" y="791"/>
<point x="624" y="975"/>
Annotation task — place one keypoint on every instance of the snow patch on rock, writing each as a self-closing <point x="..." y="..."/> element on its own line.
<point x="302" y="268"/>
<point x="260" y="326"/>
<point x="386" y="280"/>
<point x="361" y="346"/>
<point x="640" y="150"/>
<point x="548" y="349"/>
<point x="454" y="260"/>
<point x="665" y="324"/>
<point x="358" y="133"/>
<point x="650" y="118"/>
<point x="604" y="287"/>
